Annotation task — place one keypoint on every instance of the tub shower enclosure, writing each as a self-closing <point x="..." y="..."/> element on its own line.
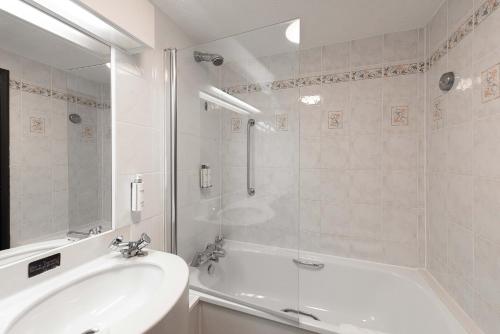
<point x="324" y="169"/>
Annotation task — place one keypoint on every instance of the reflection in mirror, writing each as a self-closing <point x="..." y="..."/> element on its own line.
<point x="55" y="108"/>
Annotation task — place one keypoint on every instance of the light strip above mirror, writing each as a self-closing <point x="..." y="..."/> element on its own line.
<point x="80" y="17"/>
<point x="46" y="22"/>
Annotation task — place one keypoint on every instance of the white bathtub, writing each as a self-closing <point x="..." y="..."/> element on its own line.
<point x="348" y="296"/>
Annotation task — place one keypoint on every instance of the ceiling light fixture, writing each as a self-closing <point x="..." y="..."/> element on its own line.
<point x="293" y="32"/>
<point x="46" y="22"/>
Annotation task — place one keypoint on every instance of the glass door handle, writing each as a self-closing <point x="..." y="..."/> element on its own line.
<point x="250" y="125"/>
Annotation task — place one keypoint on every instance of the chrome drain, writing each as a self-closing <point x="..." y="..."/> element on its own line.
<point x="299" y="312"/>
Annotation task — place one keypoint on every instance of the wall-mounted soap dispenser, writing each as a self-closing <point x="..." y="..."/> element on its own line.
<point x="205" y="177"/>
<point x="137" y="194"/>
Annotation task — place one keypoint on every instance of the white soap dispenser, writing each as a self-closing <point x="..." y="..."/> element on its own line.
<point x="137" y="194"/>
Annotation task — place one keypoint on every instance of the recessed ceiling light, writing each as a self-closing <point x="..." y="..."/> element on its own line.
<point x="293" y="32"/>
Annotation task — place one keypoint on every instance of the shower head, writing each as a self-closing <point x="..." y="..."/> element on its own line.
<point x="216" y="59"/>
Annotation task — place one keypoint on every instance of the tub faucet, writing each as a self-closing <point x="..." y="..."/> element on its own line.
<point x="212" y="252"/>
<point x="83" y="235"/>
<point x="130" y="248"/>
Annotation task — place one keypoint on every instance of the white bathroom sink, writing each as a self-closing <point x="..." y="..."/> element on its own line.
<point x="108" y="295"/>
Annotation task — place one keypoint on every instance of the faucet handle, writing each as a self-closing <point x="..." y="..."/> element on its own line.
<point x="143" y="241"/>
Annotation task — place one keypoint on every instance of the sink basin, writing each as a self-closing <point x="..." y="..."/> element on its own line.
<point x="108" y="295"/>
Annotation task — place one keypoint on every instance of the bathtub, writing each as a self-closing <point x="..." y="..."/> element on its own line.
<point x="346" y="296"/>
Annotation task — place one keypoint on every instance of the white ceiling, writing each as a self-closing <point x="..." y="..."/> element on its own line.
<point x="322" y="21"/>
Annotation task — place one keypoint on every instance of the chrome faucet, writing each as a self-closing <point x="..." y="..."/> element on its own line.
<point x="83" y="235"/>
<point x="130" y="248"/>
<point x="211" y="253"/>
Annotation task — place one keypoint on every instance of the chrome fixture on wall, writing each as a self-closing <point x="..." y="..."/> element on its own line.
<point x="83" y="235"/>
<point x="446" y="81"/>
<point x="216" y="59"/>
<point x="75" y="118"/>
<point x="211" y="253"/>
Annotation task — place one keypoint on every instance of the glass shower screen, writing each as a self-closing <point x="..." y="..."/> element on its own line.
<point x="238" y="166"/>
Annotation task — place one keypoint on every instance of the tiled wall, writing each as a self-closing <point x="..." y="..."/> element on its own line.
<point x="354" y="124"/>
<point x="48" y="152"/>
<point x="463" y="140"/>
<point x="141" y="93"/>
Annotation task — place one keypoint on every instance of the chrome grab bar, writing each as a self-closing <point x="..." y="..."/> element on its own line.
<point x="309" y="264"/>
<point x="250" y="189"/>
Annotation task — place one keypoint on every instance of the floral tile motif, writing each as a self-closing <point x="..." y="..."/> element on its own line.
<point x="400" y="115"/>
<point x="29" y="88"/>
<point x="466" y="28"/>
<point x="253" y="88"/>
<point x="282" y="122"/>
<point x="404" y="69"/>
<point x="37" y="126"/>
<point x="439" y="53"/>
<point x="335" y="120"/>
<point x="490" y="84"/>
<point x="283" y="84"/>
<point x="308" y="81"/>
<point x="34" y="89"/>
<point x="437" y="113"/>
<point x="236" y="125"/>
<point x="87" y="132"/>
<point x="237" y="89"/>
<point x="336" y="78"/>
<point x="485" y="10"/>
<point x="15" y="84"/>
<point x="373" y="73"/>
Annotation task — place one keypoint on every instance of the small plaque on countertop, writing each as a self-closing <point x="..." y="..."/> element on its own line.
<point x="47" y="263"/>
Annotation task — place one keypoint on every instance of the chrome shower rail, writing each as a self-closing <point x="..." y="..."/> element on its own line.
<point x="250" y="125"/>
<point x="173" y="152"/>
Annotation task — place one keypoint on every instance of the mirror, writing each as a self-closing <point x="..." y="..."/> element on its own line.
<point x="55" y="119"/>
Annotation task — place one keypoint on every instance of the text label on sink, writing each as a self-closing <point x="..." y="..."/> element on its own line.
<point x="47" y="263"/>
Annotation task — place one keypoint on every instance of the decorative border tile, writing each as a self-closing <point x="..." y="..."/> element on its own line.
<point x="47" y="92"/>
<point x="333" y="78"/>
<point x="474" y="20"/>
<point x="336" y="78"/>
<point x="308" y="81"/>
<point x="364" y="74"/>
<point x="404" y="69"/>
